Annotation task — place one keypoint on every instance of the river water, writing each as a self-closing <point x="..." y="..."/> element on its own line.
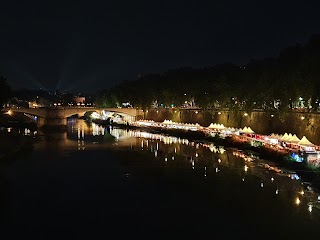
<point x="96" y="182"/>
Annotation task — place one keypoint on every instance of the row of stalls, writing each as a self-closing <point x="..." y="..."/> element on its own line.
<point x="168" y="124"/>
<point x="293" y="142"/>
<point x="300" y="149"/>
<point x="216" y="128"/>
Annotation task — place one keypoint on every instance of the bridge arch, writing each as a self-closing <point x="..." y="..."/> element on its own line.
<point x="57" y="116"/>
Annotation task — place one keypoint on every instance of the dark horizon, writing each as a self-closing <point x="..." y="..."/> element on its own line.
<point x="87" y="47"/>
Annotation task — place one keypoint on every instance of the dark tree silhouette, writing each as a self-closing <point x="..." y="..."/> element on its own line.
<point x="5" y="91"/>
<point x="284" y="83"/>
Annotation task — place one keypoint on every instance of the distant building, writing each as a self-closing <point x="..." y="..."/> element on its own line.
<point x="38" y="102"/>
<point x="79" y="100"/>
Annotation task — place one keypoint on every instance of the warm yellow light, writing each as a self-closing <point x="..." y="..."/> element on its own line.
<point x="302" y="117"/>
<point x="302" y="192"/>
<point x="219" y="113"/>
<point x="9" y="112"/>
<point x="221" y="150"/>
<point x="297" y="201"/>
<point x="245" y="114"/>
<point x="245" y="168"/>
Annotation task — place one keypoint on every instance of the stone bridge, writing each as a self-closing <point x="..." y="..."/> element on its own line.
<point x="57" y="116"/>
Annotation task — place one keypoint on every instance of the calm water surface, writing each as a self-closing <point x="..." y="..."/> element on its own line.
<point x="98" y="183"/>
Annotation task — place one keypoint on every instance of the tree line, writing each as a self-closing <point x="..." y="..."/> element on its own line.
<point x="5" y="91"/>
<point x="288" y="81"/>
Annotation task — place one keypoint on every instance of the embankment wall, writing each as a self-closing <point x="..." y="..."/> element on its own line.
<point x="299" y="123"/>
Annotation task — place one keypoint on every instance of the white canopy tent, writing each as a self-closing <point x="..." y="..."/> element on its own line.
<point x="247" y="130"/>
<point x="220" y="126"/>
<point x="284" y="137"/>
<point x="275" y="136"/>
<point x="305" y="142"/>
<point x="293" y="139"/>
<point x="212" y="125"/>
<point x="216" y="126"/>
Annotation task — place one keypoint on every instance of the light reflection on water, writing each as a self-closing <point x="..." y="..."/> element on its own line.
<point x="202" y="156"/>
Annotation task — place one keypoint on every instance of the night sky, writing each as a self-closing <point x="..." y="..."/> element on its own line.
<point x="89" y="45"/>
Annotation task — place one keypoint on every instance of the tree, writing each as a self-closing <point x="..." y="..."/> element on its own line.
<point x="270" y="84"/>
<point x="5" y="91"/>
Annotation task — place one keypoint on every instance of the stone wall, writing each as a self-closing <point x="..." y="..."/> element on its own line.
<point x="301" y="124"/>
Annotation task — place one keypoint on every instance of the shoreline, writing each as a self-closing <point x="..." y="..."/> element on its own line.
<point x="280" y="158"/>
<point x="13" y="145"/>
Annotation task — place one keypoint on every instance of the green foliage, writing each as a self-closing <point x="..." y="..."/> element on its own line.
<point x="107" y="100"/>
<point x="288" y="158"/>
